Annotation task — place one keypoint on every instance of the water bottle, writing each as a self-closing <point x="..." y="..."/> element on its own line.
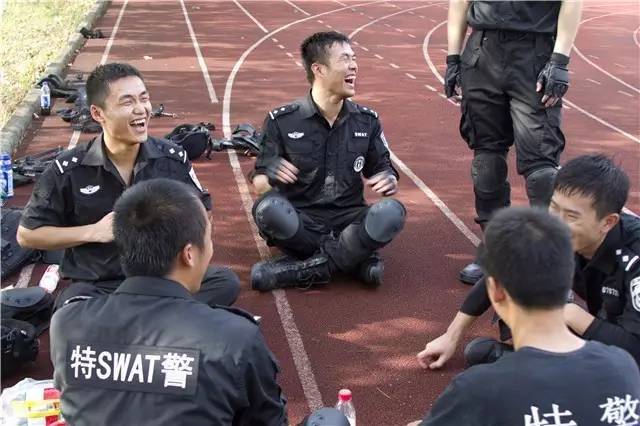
<point x="345" y="406"/>
<point x="7" y="176"/>
<point x="50" y="278"/>
<point x="45" y="99"/>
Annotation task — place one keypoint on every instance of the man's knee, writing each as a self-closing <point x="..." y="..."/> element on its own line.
<point x="489" y="174"/>
<point x="384" y="220"/>
<point x="220" y="286"/>
<point x="275" y="217"/>
<point x="539" y="185"/>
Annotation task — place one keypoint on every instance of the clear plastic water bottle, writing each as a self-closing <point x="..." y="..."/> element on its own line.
<point x="7" y="176"/>
<point x="50" y="278"/>
<point x="345" y="406"/>
<point x="45" y="99"/>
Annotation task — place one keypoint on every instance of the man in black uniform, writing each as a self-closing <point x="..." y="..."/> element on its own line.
<point x="590" y="192"/>
<point x="512" y="74"/>
<point x="553" y="377"/>
<point x="315" y="153"/>
<point x="70" y="207"/>
<point x="150" y="353"/>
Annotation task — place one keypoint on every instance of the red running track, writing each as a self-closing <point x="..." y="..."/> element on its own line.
<point x="343" y="335"/>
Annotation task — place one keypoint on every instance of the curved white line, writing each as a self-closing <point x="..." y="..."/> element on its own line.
<point x="226" y="104"/>
<point x="434" y="70"/>
<point x="357" y="30"/>
<point x="635" y="36"/>
<point x="294" y="339"/>
<point x="596" y="66"/>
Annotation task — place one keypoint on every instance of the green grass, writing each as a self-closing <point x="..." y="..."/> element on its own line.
<point x="32" y="34"/>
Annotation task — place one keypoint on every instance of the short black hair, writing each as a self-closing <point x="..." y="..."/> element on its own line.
<point x="595" y="176"/>
<point x="529" y="252"/>
<point x="103" y="75"/>
<point x="153" y="221"/>
<point x="315" y="48"/>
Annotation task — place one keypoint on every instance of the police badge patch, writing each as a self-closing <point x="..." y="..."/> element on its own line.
<point x="358" y="165"/>
<point x="634" y="287"/>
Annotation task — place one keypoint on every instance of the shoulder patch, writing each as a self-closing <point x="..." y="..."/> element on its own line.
<point x="171" y="150"/>
<point x="240" y="312"/>
<point x="367" y="110"/>
<point x="69" y="159"/>
<point x="283" y="110"/>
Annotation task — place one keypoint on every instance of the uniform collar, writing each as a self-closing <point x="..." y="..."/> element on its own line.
<point x="97" y="156"/>
<point x="153" y="286"/>
<point x="605" y="258"/>
<point x="308" y="107"/>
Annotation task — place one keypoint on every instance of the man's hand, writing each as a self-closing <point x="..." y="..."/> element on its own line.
<point x="102" y="231"/>
<point x="282" y="171"/>
<point x="452" y="77"/>
<point x="553" y="79"/>
<point x="384" y="183"/>
<point x="437" y="352"/>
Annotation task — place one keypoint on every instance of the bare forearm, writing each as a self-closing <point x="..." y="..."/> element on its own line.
<point x="568" y="23"/>
<point x="456" y="25"/>
<point x="461" y="322"/>
<point x="54" y="237"/>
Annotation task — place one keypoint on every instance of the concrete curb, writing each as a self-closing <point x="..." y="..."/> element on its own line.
<point x="12" y="133"/>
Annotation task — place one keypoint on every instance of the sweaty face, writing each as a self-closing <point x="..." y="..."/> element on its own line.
<point x="577" y="211"/>
<point x="126" y="112"/>
<point x="340" y="72"/>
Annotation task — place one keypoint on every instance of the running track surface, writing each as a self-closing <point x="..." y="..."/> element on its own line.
<point x="229" y="62"/>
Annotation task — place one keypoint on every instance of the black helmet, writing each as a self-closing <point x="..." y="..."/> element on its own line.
<point x="19" y="344"/>
<point x="326" y="417"/>
<point x="193" y="138"/>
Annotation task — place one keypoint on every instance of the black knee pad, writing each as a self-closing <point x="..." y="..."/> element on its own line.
<point x="540" y="186"/>
<point x="489" y="173"/>
<point x="384" y="220"/>
<point x="276" y="217"/>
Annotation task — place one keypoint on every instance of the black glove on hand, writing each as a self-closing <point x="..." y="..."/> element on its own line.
<point x="452" y="75"/>
<point x="554" y="79"/>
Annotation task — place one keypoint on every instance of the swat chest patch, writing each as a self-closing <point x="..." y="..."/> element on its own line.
<point x="150" y="369"/>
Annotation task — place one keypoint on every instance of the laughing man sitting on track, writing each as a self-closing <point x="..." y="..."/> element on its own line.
<point x="71" y="205"/>
<point x="590" y="192"/>
<point x="315" y="154"/>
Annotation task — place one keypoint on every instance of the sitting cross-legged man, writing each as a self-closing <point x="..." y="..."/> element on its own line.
<point x="317" y="155"/>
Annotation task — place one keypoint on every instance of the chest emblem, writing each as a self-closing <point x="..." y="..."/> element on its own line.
<point x="90" y="189"/>
<point x="360" y="134"/>
<point x="295" y="135"/>
<point x="635" y="292"/>
<point x="358" y="164"/>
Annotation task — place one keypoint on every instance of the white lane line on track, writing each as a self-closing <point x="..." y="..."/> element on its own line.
<point x="435" y="72"/>
<point x="378" y="56"/>
<point x="319" y="21"/>
<point x="275" y="40"/>
<point x="203" y="65"/>
<point x="625" y="93"/>
<point x="357" y="30"/>
<point x="75" y="136"/>
<point x="289" y="54"/>
<point x="433" y="89"/>
<point x="294" y="339"/>
<point x="298" y="63"/>
<point x="25" y="276"/>
<point x="297" y="7"/>
<point x="399" y="30"/>
<point x="594" y="57"/>
<point x="329" y="26"/>
<point x="619" y="65"/>
<point x="593" y="81"/>
<point x="339" y="2"/>
<point x="411" y="35"/>
<point x="392" y="65"/>
<point x="366" y="49"/>
<point x="596" y="66"/>
<point x="636" y="36"/>
<point x="255" y="21"/>
<point x="281" y="46"/>
<point x="411" y="76"/>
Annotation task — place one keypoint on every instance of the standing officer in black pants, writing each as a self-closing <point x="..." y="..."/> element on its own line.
<point x="512" y="74"/>
<point x="317" y="155"/>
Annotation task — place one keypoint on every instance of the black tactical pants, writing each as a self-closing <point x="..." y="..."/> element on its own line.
<point x="500" y="108"/>
<point x="220" y="286"/>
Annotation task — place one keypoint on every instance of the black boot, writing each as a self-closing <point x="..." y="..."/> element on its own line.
<point x="471" y="274"/>
<point x="371" y="271"/>
<point x="485" y="350"/>
<point x="270" y="275"/>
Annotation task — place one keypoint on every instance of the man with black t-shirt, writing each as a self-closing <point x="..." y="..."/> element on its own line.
<point x="553" y="377"/>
